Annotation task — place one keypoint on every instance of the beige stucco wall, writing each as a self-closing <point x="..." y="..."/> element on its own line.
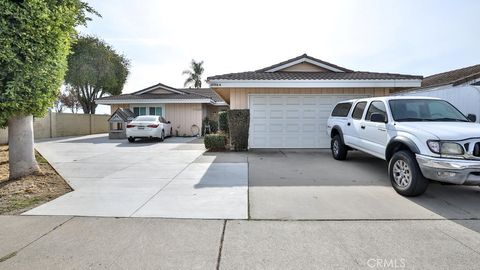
<point x="183" y="116"/>
<point x="238" y="97"/>
<point x="304" y="67"/>
<point x="212" y="111"/>
<point x="64" y="124"/>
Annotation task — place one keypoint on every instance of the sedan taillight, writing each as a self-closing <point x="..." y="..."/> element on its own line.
<point x="130" y="126"/>
<point x="153" y="126"/>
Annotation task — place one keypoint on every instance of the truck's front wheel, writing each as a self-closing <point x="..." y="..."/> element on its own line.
<point x="339" y="149"/>
<point x="405" y="175"/>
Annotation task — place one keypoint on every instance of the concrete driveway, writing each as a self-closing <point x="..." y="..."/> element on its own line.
<point x="174" y="179"/>
<point x="305" y="185"/>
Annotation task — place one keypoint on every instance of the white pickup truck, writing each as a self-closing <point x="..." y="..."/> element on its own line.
<point x="421" y="138"/>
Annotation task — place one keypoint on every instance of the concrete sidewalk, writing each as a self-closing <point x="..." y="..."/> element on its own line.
<point x="40" y="242"/>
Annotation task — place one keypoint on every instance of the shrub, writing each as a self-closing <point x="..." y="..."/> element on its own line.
<point x="213" y="125"/>
<point x="215" y="141"/>
<point x="223" y="122"/>
<point x="238" y="124"/>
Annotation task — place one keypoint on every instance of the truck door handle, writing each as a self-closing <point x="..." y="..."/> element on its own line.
<point x="363" y="127"/>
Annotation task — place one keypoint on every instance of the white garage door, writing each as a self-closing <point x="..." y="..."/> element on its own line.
<point x="291" y="121"/>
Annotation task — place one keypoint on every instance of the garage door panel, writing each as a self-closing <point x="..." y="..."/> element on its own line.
<point x="292" y="114"/>
<point x="291" y="121"/>
<point x="276" y="114"/>
<point x="275" y="127"/>
<point x="259" y="127"/>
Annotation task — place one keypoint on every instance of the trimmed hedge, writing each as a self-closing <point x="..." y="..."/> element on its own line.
<point x="223" y="122"/>
<point x="213" y="125"/>
<point x="238" y="124"/>
<point x="215" y="141"/>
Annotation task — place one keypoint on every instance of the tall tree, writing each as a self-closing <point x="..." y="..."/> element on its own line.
<point x="59" y="104"/>
<point x="194" y="74"/>
<point x="95" y="70"/>
<point x="35" y="40"/>
<point x="70" y="100"/>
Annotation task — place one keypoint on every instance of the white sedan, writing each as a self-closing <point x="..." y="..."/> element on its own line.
<point x="148" y="126"/>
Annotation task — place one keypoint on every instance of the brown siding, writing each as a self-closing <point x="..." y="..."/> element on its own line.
<point x="183" y="117"/>
<point x="239" y="96"/>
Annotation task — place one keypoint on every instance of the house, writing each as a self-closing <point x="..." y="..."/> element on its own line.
<point x="184" y="108"/>
<point x="461" y="87"/>
<point x="118" y="123"/>
<point x="290" y="102"/>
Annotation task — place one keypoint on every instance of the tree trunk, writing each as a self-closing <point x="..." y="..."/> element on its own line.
<point x="20" y="143"/>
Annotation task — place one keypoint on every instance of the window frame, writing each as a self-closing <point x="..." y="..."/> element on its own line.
<point x="341" y="103"/>
<point x="363" y="111"/>
<point x="370" y="105"/>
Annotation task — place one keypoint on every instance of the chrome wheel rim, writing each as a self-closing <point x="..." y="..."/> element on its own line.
<point x="402" y="173"/>
<point x="335" y="147"/>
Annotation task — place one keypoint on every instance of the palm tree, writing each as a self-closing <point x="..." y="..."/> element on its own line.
<point x="194" y="74"/>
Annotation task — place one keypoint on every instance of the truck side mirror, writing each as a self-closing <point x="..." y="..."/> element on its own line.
<point x="378" y="118"/>
<point x="472" y="117"/>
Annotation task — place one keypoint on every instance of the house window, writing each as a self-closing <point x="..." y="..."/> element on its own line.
<point x="155" y="111"/>
<point x="139" y="111"/>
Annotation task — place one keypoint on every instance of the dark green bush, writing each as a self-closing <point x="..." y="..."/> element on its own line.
<point x="215" y="141"/>
<point x="213" y="125"/>
<point x="238" y="124"/>
<point x="223" y="122"/>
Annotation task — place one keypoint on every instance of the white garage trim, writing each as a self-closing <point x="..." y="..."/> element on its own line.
<point x="291" y="120"/>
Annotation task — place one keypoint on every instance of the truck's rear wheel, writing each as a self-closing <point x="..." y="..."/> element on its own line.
<point x="405" y="175"/>
<point x="339" y="149"/>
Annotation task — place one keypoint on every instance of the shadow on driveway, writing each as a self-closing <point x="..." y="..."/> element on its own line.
<point x="310" y="184"/>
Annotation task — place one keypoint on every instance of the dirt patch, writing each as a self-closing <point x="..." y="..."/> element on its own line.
<point x="20" y="195"/>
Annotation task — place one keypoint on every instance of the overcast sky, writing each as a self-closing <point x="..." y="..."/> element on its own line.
<point x="161" y="37"/>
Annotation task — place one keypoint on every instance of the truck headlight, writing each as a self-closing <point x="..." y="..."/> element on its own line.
<point x="445" y="148"/>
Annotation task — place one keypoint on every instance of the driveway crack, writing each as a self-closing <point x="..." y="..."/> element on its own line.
<point x="220" y="248"/>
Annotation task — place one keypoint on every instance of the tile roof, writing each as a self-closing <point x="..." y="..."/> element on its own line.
<point x="125" y="114"/>
<point x="187" y="93"/>
<point x="455" y="77"/>
<point x="206" y="92"/>
<point x="280" y="75"/>
<point x="343" y="74"/>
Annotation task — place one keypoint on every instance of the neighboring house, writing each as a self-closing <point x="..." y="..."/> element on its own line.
<point x="290" y="102"/>
<point x="461" y="87"/>
<point x="184" y="108"/>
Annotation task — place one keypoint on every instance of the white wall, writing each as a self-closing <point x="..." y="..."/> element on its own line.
<point x="465" y="97"/>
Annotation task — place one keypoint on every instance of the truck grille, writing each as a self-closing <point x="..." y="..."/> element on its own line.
<point x="476" y="150"/>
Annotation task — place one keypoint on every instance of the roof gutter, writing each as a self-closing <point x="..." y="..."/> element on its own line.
<point x="152" y="101"/>
<point x="313" y="83"/>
